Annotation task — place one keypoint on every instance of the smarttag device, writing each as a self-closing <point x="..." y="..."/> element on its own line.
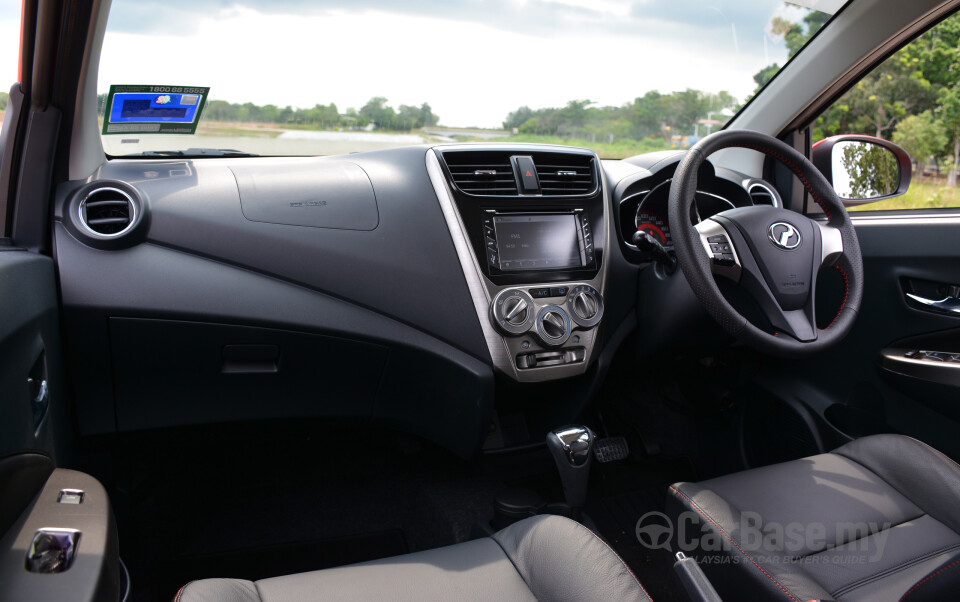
<point x="153" y="109"/>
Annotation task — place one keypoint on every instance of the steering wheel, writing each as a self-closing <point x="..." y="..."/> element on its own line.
<point x="774" y="254"/>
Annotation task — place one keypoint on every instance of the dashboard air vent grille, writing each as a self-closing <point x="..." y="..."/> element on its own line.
<point x="108" y="211"/>
<point x="761" y="195"/>
<point x="482" y="173"/>
<point x="565" y="174"/>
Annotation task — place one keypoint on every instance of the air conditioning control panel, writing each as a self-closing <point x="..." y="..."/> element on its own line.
<point x="550" y="326"/>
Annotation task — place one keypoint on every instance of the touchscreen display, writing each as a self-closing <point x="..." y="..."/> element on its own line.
<point x="537" y="242"/>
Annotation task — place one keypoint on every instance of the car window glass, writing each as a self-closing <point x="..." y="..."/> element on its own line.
<point x="913" y="100"/>
<point x="308" y="78"/>
<point x="9" y="52"/>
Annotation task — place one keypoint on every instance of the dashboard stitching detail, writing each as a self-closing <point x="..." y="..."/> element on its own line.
<point x="730" y="539"/>
<point x="796" y="171"/>
<point x="846" y="294"/>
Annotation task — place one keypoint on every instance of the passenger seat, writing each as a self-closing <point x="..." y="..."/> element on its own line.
<point x="539" y="558"/>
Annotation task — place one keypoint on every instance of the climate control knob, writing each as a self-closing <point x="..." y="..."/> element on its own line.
<point x="553" y="326"/>
<point x="515" y="310"/>
<point x="586" y="305"/>
<point x="512" y="311"/>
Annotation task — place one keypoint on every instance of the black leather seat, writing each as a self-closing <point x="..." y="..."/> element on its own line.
<point x="876" y="519"/>
<point x="540" y="558"/>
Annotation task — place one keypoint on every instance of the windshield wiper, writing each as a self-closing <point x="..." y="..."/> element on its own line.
<point x="195" y="152"/>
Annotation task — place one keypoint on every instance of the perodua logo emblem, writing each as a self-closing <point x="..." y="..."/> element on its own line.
<point x="784" y="235"/>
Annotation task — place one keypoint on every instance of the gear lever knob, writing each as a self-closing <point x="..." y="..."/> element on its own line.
<point x="572" y="448"/>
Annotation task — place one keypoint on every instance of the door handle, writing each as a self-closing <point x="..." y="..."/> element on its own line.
<point x="948" y="304"/>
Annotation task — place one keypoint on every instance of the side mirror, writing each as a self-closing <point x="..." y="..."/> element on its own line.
<point x="863" y="169"/>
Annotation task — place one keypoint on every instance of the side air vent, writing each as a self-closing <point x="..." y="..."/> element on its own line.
<point x="565" y="174"/>
<point x="761" y="195"/>
<point x="482" y="173"/>
<point x="108" y="211"/>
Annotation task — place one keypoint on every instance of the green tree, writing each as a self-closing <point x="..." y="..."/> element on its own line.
<point x="795" y="35"/>
<point x="922" y="136"/>
<point x="517" y="118"/>
<point x="873" y="170"/>
<point x="949" y="113"/>
<point x="765" y="75"/>
<point x="377" y="111"/>
<point x="3" y="101"/>
<point x="427" y="116"/>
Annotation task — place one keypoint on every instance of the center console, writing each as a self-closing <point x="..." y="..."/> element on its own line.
<point x="529" y="225"/>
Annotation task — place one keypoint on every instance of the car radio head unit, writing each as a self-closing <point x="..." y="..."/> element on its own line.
<point x="538" y="241"/>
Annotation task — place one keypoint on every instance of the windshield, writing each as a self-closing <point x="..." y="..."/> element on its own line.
<point x="298" y="77"/>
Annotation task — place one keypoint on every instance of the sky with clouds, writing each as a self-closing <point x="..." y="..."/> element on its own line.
<point x="474" y="61"/>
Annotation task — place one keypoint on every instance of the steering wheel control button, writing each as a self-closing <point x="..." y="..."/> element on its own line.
<point x="724" y="259"/>
<point x="716" y="242"/>
<point x="586" y="305"/>
<point x="553" y="326"/>
<point x="513" y="311"/>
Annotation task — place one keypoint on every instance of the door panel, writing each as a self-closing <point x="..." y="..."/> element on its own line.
<point x="32" y="414"/>
<point x="852" y="389"/>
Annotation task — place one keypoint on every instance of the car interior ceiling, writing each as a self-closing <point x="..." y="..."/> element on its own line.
<point x="230" y="384"/>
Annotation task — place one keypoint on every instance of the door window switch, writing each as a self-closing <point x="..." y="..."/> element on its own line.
<point x="70" y="496"/>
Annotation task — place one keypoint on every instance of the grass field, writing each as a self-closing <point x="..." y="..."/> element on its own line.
<point x="926" y="194"/>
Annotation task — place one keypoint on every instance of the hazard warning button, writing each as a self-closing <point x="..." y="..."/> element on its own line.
<point x="527" y="171"/>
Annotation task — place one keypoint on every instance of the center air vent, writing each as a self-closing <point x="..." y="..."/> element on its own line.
<point x="482" y="173"/>
<point x="491" y="173"/>
<point x="565" y="174"/>
<point x="108" y="211"/>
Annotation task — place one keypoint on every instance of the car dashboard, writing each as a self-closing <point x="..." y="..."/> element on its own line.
<point x="418" y="287"/>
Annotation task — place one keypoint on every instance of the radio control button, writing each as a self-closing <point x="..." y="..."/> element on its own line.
<point x="493" y="257"/>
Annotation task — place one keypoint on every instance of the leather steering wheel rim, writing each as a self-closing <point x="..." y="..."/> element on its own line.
<point x="698" y="266"/>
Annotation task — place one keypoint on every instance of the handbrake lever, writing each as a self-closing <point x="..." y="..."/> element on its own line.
<point x="695" y="582"/>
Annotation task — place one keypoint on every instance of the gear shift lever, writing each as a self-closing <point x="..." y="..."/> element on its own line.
<point x="572" y="448"/>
